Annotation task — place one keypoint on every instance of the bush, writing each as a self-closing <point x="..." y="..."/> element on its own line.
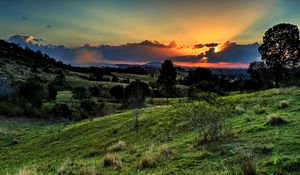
<point x="275" y="121"/>
<point x="247" y="165"/>
<point x="148" y="161"/>
<point x="117" y="92"/>
<point x="11" y="109"/>
<point x="81" y="93"/>
<point x="33" y="91"/>
<point x="135" y="94"/>
<point x="52" y="91"/>
<point x="211" y="122"/>
<point x="239" y="109"/>
<point x="85" y="171"/>
<point x="166" y="151"/>
<point x="28" y="171"/>
<point x="68" y="168"/>
<point x="204" y="96"/>
<point x="249" y="118"/>
<point x="88" y="106"/>
<point x="95" y="91"/>
<point x="283" y="104"/>
<point x="260" y="110"/>
<point x="112" y="160"/>
<point x="61" y="111"/>
<point x="115" y="79"/>
<point x="119" y="146"/>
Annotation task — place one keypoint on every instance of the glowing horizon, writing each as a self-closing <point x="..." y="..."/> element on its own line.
<point x="189" y="23"/>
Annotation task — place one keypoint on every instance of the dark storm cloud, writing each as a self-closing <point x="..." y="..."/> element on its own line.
<point x="235" y="53"/>
<point x="211" y="44"/>
<point x="232" y="52"/>
<point x="146" y="51"/>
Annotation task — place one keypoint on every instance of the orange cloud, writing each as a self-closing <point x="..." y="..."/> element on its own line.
<point x="215" y="65"/>
<point x="85" y="56"/>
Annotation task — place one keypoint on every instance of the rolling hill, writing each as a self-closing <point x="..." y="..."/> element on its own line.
<point x="164" y="144"/>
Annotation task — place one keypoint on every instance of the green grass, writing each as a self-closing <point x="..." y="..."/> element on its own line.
<point x="44" y="147"/>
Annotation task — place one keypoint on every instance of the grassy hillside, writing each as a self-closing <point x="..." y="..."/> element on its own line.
<point x="164" y="144"/>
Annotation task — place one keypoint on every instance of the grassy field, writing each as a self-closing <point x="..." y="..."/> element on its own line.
<point x="164" y="144"/>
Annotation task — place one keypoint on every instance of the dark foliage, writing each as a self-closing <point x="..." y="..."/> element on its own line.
<point x="259" y="76"/>
<point x="135" y="94"/>
<point x="81" y="93"/>
<point x="52" y="91"/>
<point x="61" y="111"/>
<point x="60" y="80"/>
<point x="117" y="92"/>
<point x="88" y="106"/>
<point x="168" y="74"/>
<point x="33" y="91"/>
<point x="115" y="79"/>
<point x="280" y="49"/>
<point x="95" y="91"/>
<point x="198" y="75"/>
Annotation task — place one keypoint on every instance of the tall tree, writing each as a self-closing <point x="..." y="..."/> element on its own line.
<point x="280" y="48"/>
<point x="167" y="78"/>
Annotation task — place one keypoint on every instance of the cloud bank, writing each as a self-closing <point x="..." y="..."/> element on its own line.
<point x="228" y="54"/>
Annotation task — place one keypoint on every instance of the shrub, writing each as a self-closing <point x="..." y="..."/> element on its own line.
<point x="249" y="118"/>
<point x="247" y="165"/>
<point x="148" y="161"/>
<point x="95" y="91"/>
<point x="275" y="120"/>
<point x="81" y="93"/>
<point x="61" y="111"/>
<point x="119" y="146"/>
<point x="211" y="122"/>
<point x="27" y="171"/>
<point x="52" y="91"/>
<point x="204" y="96"/>
<point x="112" y="160"/>
<point x="166" y="151"/>
<point x="85" y="171"/>
<point x="283" y="104"/>
<point x="117" y="92"/>
<point x="115" y="79"/>
<point x="135" y="94"/>
<point x="259" y="110"/>
<point x="33" y="91"/>
<point x="68" y="168"/>
<point x="239" y="109"/>
<point x="88" y="106"/>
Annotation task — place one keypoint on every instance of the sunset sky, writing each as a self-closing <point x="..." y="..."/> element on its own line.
<point x="77" y="30"/>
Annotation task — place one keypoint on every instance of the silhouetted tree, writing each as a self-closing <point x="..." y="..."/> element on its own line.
<point x="167" y="79"/>
<point x="280" y="48"/>
<point x="199" y="74"/>
<point x="135" y="94"/>
<point x="117" y="92"/>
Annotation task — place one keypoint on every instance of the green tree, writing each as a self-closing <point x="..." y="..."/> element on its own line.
<point x="280" y="48"/>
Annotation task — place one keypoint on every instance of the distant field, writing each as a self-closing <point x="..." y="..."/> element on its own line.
<point x="48" y="148"/>
<point x="132" y="77"/>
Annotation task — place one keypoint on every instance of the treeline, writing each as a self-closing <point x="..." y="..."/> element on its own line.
<point x="36" y="59"/>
